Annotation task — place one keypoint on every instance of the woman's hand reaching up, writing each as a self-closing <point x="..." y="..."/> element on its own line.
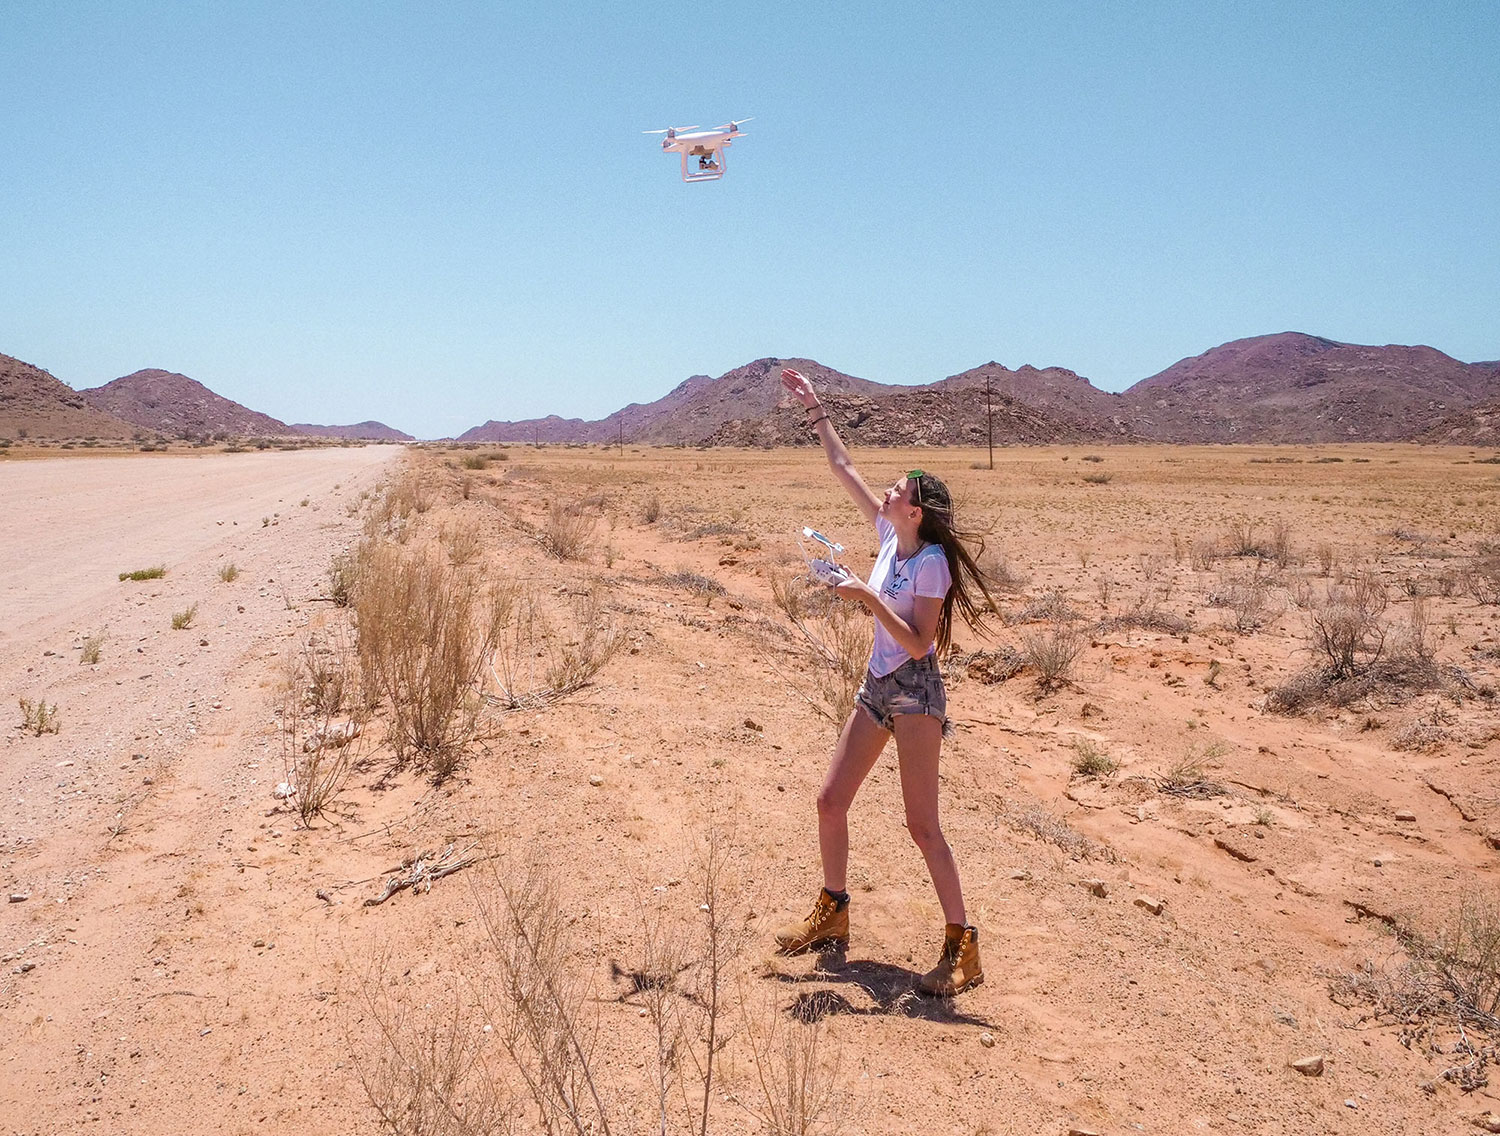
<point x="800" y="387"/>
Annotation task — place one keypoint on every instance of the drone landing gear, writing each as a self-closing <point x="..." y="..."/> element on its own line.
<point x="707" y="166"/>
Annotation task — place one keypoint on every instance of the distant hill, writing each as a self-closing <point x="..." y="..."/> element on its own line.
<point x="1293" y="387"/>
<point x="365" y="431"/>
<point x="1288" y="387"/>
<point x="34" y="404"/>
<point x="178" y="407"/>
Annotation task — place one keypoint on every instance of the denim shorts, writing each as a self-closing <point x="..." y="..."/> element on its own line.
<point x="915" y="687"/>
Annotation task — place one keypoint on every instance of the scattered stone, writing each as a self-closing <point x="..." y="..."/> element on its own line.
<point x="1487" y="1121"/>
<point x="1096" y="886"/>
<point x="1151" y="904"/>
<point x="1493" y="838"/>
<point x="258" y="943"/>
<point x="595" y="780"/>
<point x="323" y="894"/>
<point x="1235" y="850"/>
<point x="335" y="735"/>
<point x="752" y="724"/>
<point x="1406" y="815"/>
<point x="1310" y="1066"/>
<point x="19" y="897"/>
<point x="987" y="1039"/>
<point x="1018" y="874"/>
<point x="25" y="967"/>
<point x="1083" y="1132"/>
<point x="1350" y="1102"/>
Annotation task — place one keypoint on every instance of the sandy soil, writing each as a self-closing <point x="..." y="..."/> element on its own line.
<point x="190" y="978"/>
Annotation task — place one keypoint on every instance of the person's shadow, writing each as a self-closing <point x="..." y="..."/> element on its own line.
<point x="893" y="989"/>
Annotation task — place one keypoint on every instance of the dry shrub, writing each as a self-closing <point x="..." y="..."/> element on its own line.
<point x="565" y="533"/>
<point x="1052" y="605"/>
<point x="343" y="572"/>
<point x="992" y="666"/>
<point x="1053" y="652"/>
<point x="839" y="634"/>
<point x="1202" y="555"/>
<point x="38" y="718"/>
<point x="93" y="645"/>
<point x="797" y="1071"/>
<point x="1187" y="776"/>
<point x="1033" y="820"/>
<point x="408" y="495"/>
<point x="1090" y="759"/>
<point x="535" y="663"/>
<point x="425" y="630"/>
<point x="1250" y="599"/>
<point x="651" y="510"/>
<point x="323" y="718"/>
<point x="426" y="1074"/>
<point x="1449" y="978"/>
<point x="999" y="574"/>
<point x="463" y="542"/>
<point x="1481" y="579"/>
<point x="1323" y="553"/>
<point x="704" y="587"/>
<point x="1346" y="629"/>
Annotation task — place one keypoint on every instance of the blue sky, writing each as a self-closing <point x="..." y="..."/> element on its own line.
<point x="436" y="214"/>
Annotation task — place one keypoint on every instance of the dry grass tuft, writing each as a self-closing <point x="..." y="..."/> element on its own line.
<point x="93" y="646"/>
<point x="182" y="620"/>
<point x="535" y="663"/>
<point x="38" y="718"/>
<point x="839" y="635"/>
<point x="1053" y="652"/>
<point x="323" y="718"/>
<point x="1090" y="759"/>
<point x="425" y="629"/>
<point x="1033" y="820"/>
<point x="565" y="533"/>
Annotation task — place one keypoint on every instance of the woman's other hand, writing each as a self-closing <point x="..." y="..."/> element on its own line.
<point x="800" y="386"/>
<point x="855" y="589"/>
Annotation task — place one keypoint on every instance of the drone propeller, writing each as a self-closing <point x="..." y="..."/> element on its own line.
<point x="735" y="123"/>
<point x="670" y="130"/>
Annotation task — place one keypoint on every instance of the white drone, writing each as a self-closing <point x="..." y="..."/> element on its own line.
<point x="702" y="151"/>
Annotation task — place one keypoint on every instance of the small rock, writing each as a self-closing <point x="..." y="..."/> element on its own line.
<point x="322" y="893"/>
<point x="1406" y="815"/>
<point x="1310" y="1066"/>
<point x="1493" y="838"/>
<point x="1234" y="850"/>
<point x="595" y="780"/>
<point x="19" y="897"/>
<point x="1083" y="1132"/>
<point x="987" y="1039"/>
<point x="203" y="642"/>
<point x="1018" y="874"/>
<point x="752" y="724"/>
<point x="1096" y="886"/>
<point x="1378" y="862"/>
<point x="258" y="943"/>
<point x="1487" y="1121"/>
<point x="1151" y="904"/>
<point x="1350" y="1102"/>
<point x="25" y="967"/>
<point x="205" y="1031"/>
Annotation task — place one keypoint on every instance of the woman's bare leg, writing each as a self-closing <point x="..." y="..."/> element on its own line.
<point x="919" y="743"/>
<point x="855" y="755"/>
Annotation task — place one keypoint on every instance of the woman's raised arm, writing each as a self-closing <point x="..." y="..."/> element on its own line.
<point x="833" y="447"/>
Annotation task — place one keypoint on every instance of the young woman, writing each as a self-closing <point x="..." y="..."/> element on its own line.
<point x="922" y="572"/>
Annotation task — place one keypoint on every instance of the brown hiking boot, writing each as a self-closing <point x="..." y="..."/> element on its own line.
<point x="959" y="967"/>
<point x="826" y="923"/>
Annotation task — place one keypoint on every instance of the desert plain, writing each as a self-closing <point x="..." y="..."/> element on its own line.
<point x="1185" y="878"/>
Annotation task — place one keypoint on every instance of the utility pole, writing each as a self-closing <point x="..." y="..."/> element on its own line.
<point x="989" y="410"/>
<point x="622" y="436"/>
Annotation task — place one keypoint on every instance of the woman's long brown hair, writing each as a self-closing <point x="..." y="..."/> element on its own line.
<point x="938" y="527"/>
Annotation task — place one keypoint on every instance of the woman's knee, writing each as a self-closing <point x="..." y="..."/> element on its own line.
<point x="831" y="803"/>
<point x="927" y="835"/>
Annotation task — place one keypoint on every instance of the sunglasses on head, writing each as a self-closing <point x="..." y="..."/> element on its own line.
<point x="915" y="477"/>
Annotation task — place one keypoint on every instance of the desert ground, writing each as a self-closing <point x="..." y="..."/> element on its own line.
<point x="1192" y="861"/>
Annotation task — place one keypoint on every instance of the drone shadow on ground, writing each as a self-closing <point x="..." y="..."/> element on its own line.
<point x="891" y="988"/>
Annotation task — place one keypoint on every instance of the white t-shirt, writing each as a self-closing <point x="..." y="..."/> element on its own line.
<point x="899" y="583"/>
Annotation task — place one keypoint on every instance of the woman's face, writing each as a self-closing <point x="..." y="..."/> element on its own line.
<point x="898" y="501"/>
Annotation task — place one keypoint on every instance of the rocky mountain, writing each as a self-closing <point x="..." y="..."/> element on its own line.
<point x="34" y="404"/>
<point x="688" y="414"/>
<point x="178" y="407"/>
<point x="924" y="416"/>
<point x="1478" y="426"/>
<point x="1293" y="387"/>
<point x="364" y="431"/>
